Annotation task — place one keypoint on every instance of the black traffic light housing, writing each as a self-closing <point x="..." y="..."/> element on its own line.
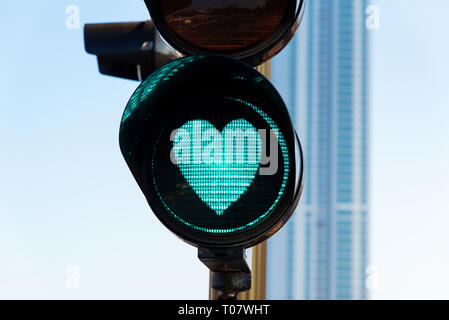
<point x="214" y="91"/>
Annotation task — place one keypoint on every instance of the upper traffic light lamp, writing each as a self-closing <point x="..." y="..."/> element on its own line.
<point x="249" y="30"/>
<point x="252" y="31"/>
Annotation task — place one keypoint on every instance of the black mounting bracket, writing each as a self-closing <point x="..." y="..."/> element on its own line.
<point x="230" y="271"/>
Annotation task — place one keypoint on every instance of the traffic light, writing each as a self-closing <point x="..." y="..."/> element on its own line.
<point x="252" y="31"/>
<point x="208" y="138"/>
<point x="210" y="142"/>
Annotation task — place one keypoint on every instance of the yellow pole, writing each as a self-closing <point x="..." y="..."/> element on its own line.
<point x="259" y="260"/>
<point x="259" y="274"/>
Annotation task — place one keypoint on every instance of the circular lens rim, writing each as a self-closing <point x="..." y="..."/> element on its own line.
<point x="254" y="55"/>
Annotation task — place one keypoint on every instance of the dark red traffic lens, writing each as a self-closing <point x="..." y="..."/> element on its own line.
<point x="225" y="25"/>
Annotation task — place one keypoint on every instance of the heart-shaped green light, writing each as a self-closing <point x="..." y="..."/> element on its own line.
<point x="218" y="166"/>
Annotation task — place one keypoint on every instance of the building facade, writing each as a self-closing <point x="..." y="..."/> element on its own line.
<point x="323" y="76"/>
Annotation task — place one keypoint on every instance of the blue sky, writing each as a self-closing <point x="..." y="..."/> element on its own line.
<point x="68" y="199"/>
<point x="410" y="149"/>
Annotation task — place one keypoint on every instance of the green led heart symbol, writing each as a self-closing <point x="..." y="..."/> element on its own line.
<point x="219" y="166"/>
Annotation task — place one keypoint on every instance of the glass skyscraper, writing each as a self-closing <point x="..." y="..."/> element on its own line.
<point x="323" y="76"/>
